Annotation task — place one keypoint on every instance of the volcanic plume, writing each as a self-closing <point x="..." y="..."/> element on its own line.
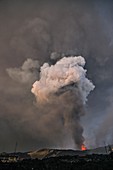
<point x="62" y="93"/>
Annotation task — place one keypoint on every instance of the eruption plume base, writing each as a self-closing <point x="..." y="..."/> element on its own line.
<point x="83" y="147"/>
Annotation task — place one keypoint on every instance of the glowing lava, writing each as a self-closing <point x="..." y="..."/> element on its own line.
<point x="83" y="147"/>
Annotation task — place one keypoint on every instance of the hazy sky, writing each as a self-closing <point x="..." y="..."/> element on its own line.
<point x="34" y="29"/>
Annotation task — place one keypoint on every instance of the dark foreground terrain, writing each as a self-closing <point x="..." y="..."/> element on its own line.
<point x="88" y="162"/>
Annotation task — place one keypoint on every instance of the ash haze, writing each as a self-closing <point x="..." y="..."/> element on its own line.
<point x="30" y="31"/>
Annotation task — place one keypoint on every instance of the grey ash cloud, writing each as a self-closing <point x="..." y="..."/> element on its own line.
<point x="35" y="29"/>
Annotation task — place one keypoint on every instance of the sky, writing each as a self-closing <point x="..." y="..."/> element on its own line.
<point x="30" y="31"/>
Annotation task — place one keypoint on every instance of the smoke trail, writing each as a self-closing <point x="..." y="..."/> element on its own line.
<point x="62" y="92"/>
<point x="26" y="73"/>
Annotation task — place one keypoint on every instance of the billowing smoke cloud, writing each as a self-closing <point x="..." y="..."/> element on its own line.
<point x="64" y="88"/>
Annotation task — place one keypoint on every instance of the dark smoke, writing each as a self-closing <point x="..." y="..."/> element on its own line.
<point x="61" y="116"/>
<point x="34" y="29"/>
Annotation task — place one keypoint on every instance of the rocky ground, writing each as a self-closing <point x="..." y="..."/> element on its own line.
<point x="88" y="162"/>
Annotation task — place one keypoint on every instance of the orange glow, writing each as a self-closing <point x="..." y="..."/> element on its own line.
<point x="83" y="147"/>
